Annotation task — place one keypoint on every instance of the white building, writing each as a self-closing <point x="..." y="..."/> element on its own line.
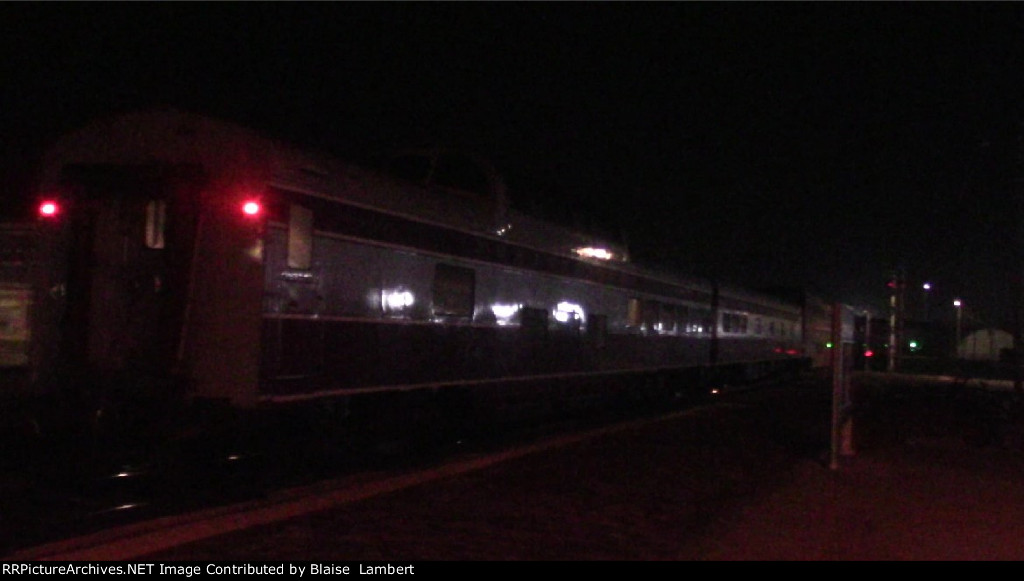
<point x="984" y="345"/>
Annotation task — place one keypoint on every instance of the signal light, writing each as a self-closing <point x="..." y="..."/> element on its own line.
<point x="49" y="209"/>
<point x="869" y="353"/>
<point x="251" y="208"/>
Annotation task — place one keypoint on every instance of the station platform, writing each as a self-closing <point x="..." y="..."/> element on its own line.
<point x="745" y="479"/>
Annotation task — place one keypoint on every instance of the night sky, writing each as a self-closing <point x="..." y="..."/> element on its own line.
<point x="816" y="145"/>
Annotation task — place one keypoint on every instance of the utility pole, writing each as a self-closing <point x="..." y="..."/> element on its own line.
<point x="896" y="286"/>
<point x="842" y="340"/>
<point x="1018" y="276"/>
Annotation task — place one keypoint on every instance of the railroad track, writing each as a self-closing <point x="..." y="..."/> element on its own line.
<point x="68" y="499"/>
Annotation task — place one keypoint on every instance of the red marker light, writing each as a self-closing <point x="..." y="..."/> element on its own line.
<point x="251" y="208"/>
<point x="48" y="209"/>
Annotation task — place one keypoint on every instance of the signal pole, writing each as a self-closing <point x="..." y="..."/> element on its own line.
<point x="867" y="339"/>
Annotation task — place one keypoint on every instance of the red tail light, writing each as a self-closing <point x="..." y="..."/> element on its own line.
<point x="48" y="209"/>
<point x="251" y="208"/>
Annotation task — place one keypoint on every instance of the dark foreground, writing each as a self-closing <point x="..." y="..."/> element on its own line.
<point x="936" y="476"/>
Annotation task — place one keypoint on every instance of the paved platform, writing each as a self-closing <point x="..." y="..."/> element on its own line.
<point x="746" y="480"/>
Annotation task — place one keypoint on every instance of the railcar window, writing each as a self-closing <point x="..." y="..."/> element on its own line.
<point x="650" y="309"/>
<point x="682" y="319"/>
<point x="597" y="330"/>
<point x="15" y="304"/>
<point x="733" y="323"/>
<point x="533" y="321"/>
<point x="156" y="223"/>
<point x="667" y="319"/>
<point x="634" y="318"/>
<point x="453" y="291"/>
<point x="706" y="318"/>
<point x="300" y="237"/>
<point x="757" y="326"/>
<point x="699" y="321"/>
<point x="569" y="320"/>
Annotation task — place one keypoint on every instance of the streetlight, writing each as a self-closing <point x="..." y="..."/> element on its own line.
<point x="926" y="287"/>
<point x="959" y="319"/>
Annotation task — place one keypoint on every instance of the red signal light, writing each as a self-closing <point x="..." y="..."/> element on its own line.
<point x="869" y="353"/>
<point x="48" y="209"/>
<point x="251" y="208"/>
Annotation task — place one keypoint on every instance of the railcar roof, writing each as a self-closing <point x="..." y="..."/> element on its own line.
<point x="240" y="153"/>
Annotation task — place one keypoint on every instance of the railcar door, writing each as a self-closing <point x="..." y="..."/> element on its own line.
<point x="130" y="234"/>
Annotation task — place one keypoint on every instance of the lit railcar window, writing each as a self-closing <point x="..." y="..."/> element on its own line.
<point x="300" y="237"/>
<point x="15" y="332"/>
<point x="156" y="223"/>
<point x="566" y="312"/>
<point x="634" y="317"/>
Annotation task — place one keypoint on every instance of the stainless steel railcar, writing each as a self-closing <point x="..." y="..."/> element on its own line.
<point x="193" y="259"/>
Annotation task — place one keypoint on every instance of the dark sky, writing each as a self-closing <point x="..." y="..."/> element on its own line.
<point x="816" y="145"/>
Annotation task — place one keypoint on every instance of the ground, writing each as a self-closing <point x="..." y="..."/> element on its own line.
<point x="936" y="475"/>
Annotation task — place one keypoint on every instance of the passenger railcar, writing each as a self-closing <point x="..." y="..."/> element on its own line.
<point x="187" y="258"/>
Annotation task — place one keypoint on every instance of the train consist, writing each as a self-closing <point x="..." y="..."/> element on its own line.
<point x="185" y="260"/>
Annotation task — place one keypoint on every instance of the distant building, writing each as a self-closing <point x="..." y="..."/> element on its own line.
<point x="984" y="345"/>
